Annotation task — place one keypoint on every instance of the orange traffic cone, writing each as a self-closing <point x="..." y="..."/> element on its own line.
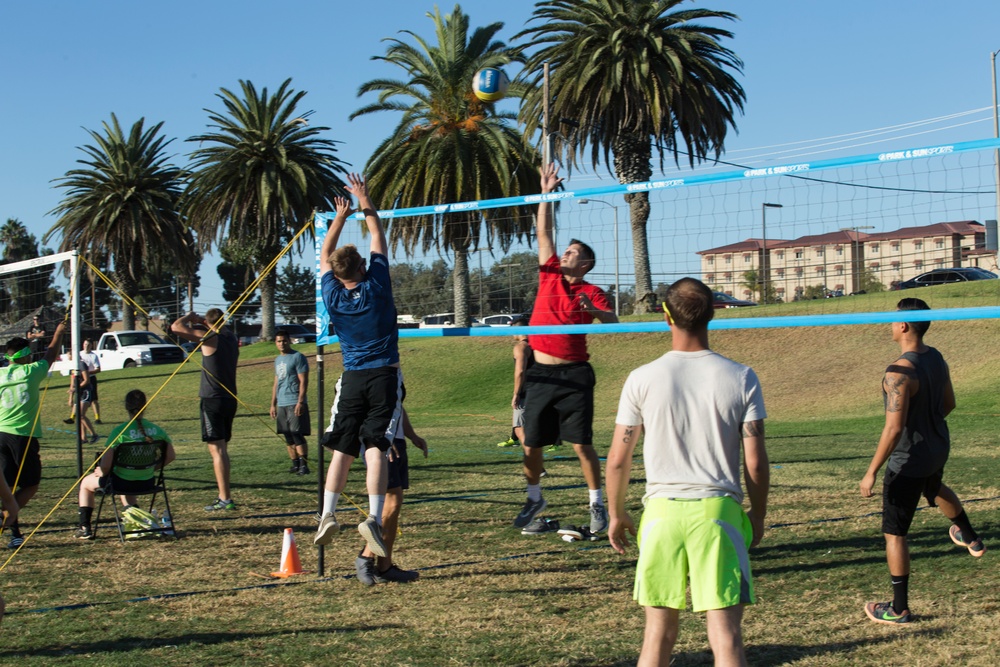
<point x="290" y="565"/>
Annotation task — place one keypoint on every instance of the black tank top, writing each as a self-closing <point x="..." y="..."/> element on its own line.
<point x="220" y="367"/>
<point x="925" y="443"/>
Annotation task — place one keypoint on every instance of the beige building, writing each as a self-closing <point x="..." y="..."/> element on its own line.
<point x="839" y="260"/>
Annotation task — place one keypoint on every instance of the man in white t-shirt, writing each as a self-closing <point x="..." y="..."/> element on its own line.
<point x="85" y="381"/>
<point x="695" y="407"/>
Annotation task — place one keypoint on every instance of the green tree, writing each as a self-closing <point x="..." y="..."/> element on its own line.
<point x="24" y="291"/>
<point x="237" y="275"/>
<point x="869" y="282"/>
<point x="124" y="206"/>
<point x="296" y="293"/>
<point x="633" y="75"/>
<point x="258" y="177"/>
<point x="449" y="146"/>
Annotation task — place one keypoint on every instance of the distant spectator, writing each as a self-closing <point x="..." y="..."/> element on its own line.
<point x="36" y="337"/>
<point x="288" y="401"/>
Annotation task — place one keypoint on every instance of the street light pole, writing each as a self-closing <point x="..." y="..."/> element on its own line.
<point x="618" y="285"/>
<point x="510" y="285"/>
<point x="996" y="126"/>
<point x="764" y="263"/>
<point x="480" y="251"/>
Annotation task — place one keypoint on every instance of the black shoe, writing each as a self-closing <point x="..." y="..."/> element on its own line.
<point x="83" y="533"/>
<point x="98" y="421"/>
<point x="396" y="575"/>
<point x="68" y="420"/>
<point x="295" y="466"/>
<point x="303" y="469"/>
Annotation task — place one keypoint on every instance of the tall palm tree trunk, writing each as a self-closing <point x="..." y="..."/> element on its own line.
<point x="632" y="165"/>
<point x="128" y="288"/>
<point x="460" y="281"/>
<point x="268" y="287"/>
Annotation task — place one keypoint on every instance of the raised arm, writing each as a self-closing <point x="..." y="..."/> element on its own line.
<point x="53" y="350"/>
<point x="183" y="327"/>
<point x="756" y="476"/>
<point x="359" y="189"/>
<point x="543" y="221"/>
<point x="333" y="233"/>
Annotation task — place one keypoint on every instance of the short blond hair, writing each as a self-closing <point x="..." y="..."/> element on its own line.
<point x="345" y="260"/>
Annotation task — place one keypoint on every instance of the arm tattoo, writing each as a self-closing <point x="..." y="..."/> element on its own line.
<point x="629" y="431"/>
<point x="894" y="392"/>
<point x="754" y="429"/>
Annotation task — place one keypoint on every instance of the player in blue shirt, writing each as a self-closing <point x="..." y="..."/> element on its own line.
<point x="369" y="402"/>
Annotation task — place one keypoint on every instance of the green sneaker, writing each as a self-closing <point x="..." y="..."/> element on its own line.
<point x="509" y="442"/>
<point x="219" y="504"/>
<point x="882" y="612"/>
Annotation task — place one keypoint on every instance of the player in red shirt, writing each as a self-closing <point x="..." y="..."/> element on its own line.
<point x="559" y="387"/>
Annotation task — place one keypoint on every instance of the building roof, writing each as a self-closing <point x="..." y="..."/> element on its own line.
<point x="962" y="227"/>
<point x="749" y="245"/>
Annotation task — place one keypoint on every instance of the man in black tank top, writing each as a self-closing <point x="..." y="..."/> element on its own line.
<point x="220" y="352"/>
<point x="918" y="396"/>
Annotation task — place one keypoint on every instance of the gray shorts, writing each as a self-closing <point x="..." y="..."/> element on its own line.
<point x="289" y="424"/>
<point x="517" y="420"/>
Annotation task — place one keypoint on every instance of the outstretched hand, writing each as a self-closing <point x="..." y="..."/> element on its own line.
<point x="550" y="177"/>
<point x="357" y="186"/>
<point x="343" y="206"/>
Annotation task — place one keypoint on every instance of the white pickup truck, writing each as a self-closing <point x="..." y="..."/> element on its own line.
<point x="126" y="349"/>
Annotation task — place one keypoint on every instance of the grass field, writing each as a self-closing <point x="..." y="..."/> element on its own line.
<point x="488" y="595"/>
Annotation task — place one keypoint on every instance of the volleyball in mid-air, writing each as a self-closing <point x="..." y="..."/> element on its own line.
<point x="490" y="84"/>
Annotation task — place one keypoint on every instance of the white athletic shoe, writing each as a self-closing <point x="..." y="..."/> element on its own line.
<point x="328" y="527"/>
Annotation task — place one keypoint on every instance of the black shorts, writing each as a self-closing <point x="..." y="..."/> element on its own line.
<point x="399" y="467"/>
<point x="559" y="404"/>
<point x="368" y="406"/>
<point x="217" y="419"/>
<point x="125" y="486"/>
<point x="900" y="497"/>
<point x="12" y="450"/>
<point x="88" y="394"/>
<point x="290" y="425"/>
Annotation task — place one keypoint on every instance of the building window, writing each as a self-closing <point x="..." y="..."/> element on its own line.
<point x="840" y="270"/>
<point x="729" y="259"/>
<point x="798" y="270"/>
<point x="820" y="252"/>
<point x="895" y="265"/>
<point x="939" y="244"/>
<point x="874" y="247"/>
<point x="727" y="276"/>
<point x="779" y="272"/>
<point x="840" y="251"/>
<point x="918" y="244"/>
<point x="918" y="263"/>
<point x="780" y="254"/>
<point x="710" y="259"/>
<point x="940" y="262"/>
<point x="873" y="265"/>
<point x="709" y="277"/>
<point x="746" y="258"/>
<point x="798" y="254"/>
<point x="820" y="269"/>
<point x="894" y="245"/>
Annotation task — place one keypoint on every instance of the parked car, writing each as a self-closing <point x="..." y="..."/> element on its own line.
<point x="945" y="276"/>
<point x="299" y="333"/>
<point x="723" y="300"/>
<point x="437" y="320"/>
<point x="125" y="349"/>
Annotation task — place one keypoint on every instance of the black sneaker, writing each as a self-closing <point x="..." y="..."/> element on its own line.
<point x="303" y="469"/>
<point x="83" y="533"/>
<point x="396" y="575"/>
<point x="15" y="542"/>
<point x="295" y="466"/>
<point x="68" y="420"/>
<point x="528" y="512"/>
<point x="540" y="527"/>
<point x="365" y="569"/>
<point x="94" y="438"/>
<point x="98" y="421"/>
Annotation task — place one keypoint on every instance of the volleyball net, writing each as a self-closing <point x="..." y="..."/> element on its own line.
<point x="805" y="235"/>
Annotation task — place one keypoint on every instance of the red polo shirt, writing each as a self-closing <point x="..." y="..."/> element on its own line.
<point x="558" y="302"/>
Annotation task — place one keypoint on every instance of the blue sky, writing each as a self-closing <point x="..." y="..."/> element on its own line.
<point x="812" y="70"/>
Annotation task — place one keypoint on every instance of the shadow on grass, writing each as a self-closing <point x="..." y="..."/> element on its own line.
<point x="765" y="655"/>
<point x="125" y="645"/>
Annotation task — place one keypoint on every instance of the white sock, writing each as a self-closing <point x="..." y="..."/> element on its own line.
<point x="534" y="492"/>
<point x="330" y="499"/>
<point x="595" y="497"/>
<point x="375" y="505"/>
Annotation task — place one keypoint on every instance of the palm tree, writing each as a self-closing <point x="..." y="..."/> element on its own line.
<point x="124" y="206"/>
<point x="259" y="178"/>
<point x="449" y="146"/>
<point x="634" y="74"/>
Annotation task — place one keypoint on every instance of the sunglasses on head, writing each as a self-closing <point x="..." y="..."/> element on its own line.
<point x="666" y="311"/>
<point x="18" y="355"/>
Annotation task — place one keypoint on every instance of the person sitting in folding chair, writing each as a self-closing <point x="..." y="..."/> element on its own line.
<point x="125" y="480"/>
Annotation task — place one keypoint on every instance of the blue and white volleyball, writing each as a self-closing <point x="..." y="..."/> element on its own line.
<point x="490" y="84"/>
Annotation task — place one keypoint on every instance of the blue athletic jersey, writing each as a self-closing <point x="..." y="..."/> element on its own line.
<point x="364" y="318"/>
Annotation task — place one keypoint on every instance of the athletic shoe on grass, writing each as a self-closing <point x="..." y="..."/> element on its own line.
<point x="540" y="527"/>
<point x="219" y="504"/>
<point x="98" y="421"/>
<point x="84" y="533"/>
<point x="68" y="420"/>
<point x="575" y="534"/>
<point x="509" y="442"/>
<point x="528" y="512"/>
<point x="365" y="569"/>
<point x="396" y="575"/>
<point x="598" y="518"/>
<point x="328" y="527"/>
<point x="15" y="542"/>
<point x="303" y="469"/>
<point x="94" y="438"/>
<point x="372" y="532"/>
<point x="976" y="547"/>
<point x="294" y="467"/>
<point x="882" y="612"/>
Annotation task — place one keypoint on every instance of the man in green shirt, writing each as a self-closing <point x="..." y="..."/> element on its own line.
<point x="19" y="428"/>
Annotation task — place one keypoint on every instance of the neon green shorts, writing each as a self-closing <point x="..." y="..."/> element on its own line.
<point x="705" y="539"/>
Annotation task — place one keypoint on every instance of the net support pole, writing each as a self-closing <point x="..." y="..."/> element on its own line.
<point x="74" y="337"/>
<point x="320" y="466"/>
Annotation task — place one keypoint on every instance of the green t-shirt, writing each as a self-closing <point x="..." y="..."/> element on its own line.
<point x="19" y="397"/>
<point x="135" y="434"/>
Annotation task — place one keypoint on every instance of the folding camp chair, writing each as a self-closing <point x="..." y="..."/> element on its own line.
<point x="136" y="456"/>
